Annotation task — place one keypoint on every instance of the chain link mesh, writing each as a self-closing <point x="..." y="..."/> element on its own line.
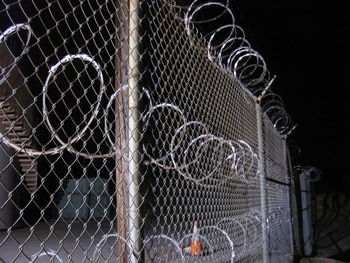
<point x="120" y="137"/>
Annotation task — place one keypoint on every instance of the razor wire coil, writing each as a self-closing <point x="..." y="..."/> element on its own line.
<point x="67" y="190"/>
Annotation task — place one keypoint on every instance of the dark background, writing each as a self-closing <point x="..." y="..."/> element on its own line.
<point x="306" y="44"/>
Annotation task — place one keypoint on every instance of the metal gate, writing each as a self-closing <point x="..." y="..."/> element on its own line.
<point x="138" y="131"/>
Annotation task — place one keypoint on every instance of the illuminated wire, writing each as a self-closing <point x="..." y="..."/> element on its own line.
<point x="49" y="253"/>
<point x="8" y="32"/>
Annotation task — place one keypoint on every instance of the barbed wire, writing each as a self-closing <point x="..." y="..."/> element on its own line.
<point x="228" y="47"/>
<point x="192" y="145"/>
<point x="176" y="138"/>
<point x="52" y="254"/>
<point x="6" y="72"/>
<point x="241" y="234"/>
<point x="313" y="174"/>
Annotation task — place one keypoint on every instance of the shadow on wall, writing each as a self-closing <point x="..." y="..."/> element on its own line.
<point x="331" y="218"/>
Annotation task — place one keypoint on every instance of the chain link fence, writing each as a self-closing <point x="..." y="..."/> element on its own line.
<point x="122" y="132"/>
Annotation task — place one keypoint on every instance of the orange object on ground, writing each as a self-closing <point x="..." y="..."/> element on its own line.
<point x="196" y="244"/>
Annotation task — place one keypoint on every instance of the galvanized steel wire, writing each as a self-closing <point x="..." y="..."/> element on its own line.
<point x="65" y="188"/>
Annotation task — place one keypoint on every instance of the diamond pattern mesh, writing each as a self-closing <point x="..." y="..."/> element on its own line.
<point x="121" y="141"/>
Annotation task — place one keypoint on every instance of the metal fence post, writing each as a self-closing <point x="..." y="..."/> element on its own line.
<point x="121" y="129"/>
<point x="306" y="203"/>
<point x="262" y="176"/>
<point x="290" y="196"/>
<point x="134" y="131"/>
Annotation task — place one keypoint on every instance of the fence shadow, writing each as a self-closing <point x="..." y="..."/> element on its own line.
<point x="331" y="225"/>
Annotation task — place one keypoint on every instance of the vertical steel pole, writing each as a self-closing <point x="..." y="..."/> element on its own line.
<point x="121" y="127"/>
<point x="134" y="131"/>
<point x="263" y="192"/>
<point x="290" y="196"/>
<point x="306" y="199"/>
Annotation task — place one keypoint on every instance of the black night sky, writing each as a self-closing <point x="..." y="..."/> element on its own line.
<point x="306" y="44"/>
